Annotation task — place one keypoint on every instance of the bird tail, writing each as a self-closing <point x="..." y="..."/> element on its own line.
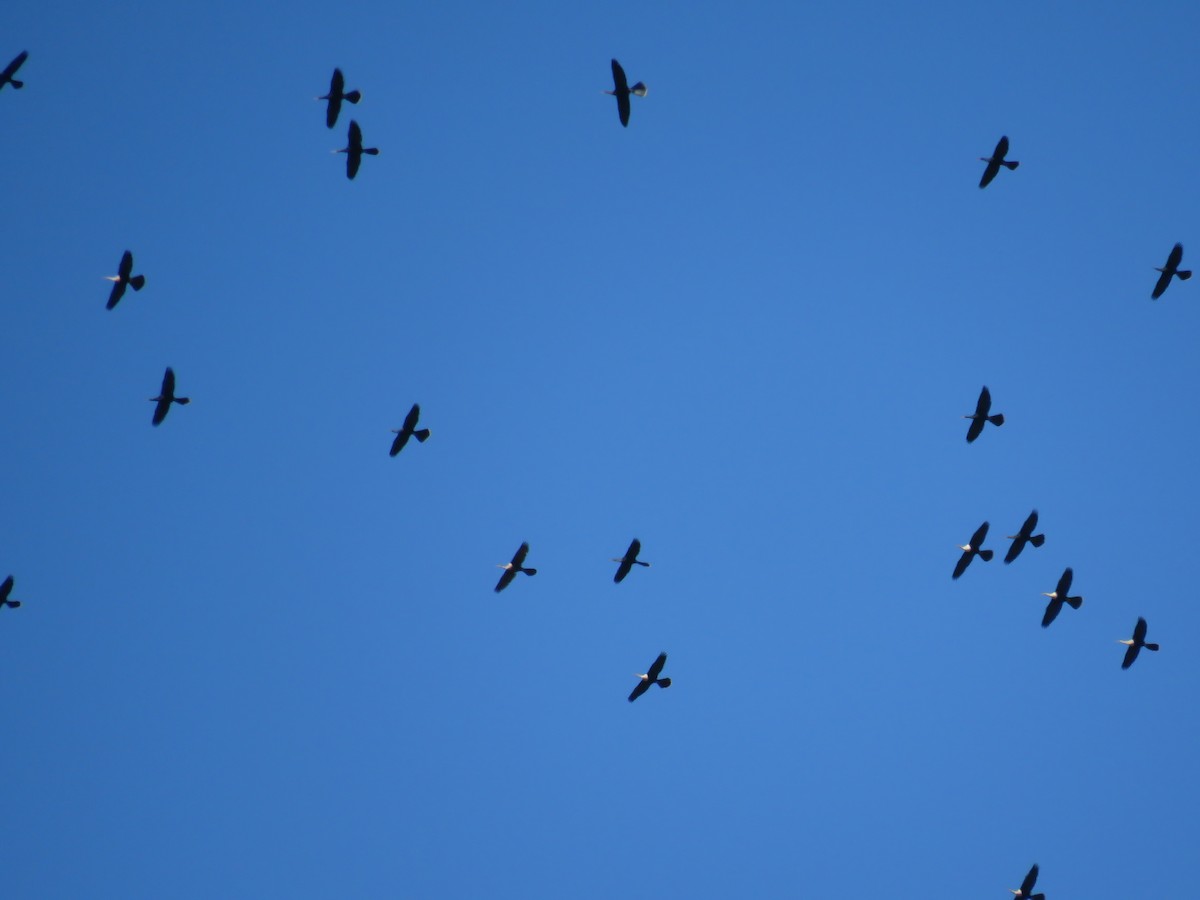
<point x="640" y="563"/>
<point x="16" y="84"/>
<point x="986" y="555"/>
<point x="1037" y="540"/>
<point x="371" y="151"/>
<point x="13" y="604"/>
<point x="422" y="435"/>
<point x="1010" y="164"/>
<point x="352" y="97"/>
<point x="183" y="401"/>
<point x="1184" y="274"/>
<point x="997" y="419"/>
<point x="137" y="282"/>
<point x="664" y="682"/>
<point x="1153" y="647"/>
<point x="639" y="89"/>
<point x="529" y="571"/>
<point x="1075" y="602"/>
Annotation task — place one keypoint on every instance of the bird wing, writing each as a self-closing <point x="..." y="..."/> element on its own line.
<point x="623" y="107"/>
<point x="1131" y="653"/>
<point x="6" y="588"/>
<point x="642" y="687"/>
<point x="1053" y="608"/>
<point x="11" y="69"/>
<point x="975" y="430"/>
<point x="1015" y="548"/>
<point x="989" y="173"/>
<point x="1064" y="584"/>
<point x="978" y="537"/>
<point x="398" y="444"/>
<point x="126" y="267"/>
<point x="1139" y="630"/>
<point x="333" y="110"/>
<point x="1030" y="524"/>
<point x="353" y="161"/>
<point x="1030" y="881"/>
<point x="1161" y="285"/>
<point x="657" y="666"/>
<point x="519" y="557"/>
<point x="622" y="570"/>
<point x="115" y="295"/>
<point x="619" y="81"/>
<point x="1001" y="150"/>
<point x="168" y="384"/>
<point x="336" y="83"/>
<point x="984" y="404"/>
<point x="505" y="579"/>
<point x="410" y="421"/>
<point x="1175" y="258"/>
<point x="963" y="562"/>
<point x="160" y="411"/>
<point x="635" y="547"/>
<point x="355" y="138"/>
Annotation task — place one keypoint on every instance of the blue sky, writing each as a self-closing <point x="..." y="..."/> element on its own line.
<point x="258" y="657"/>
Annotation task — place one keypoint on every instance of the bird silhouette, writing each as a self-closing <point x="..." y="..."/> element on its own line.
<point x="166" y="396"/>
<point x="1170" y="269"/>
<point x="5" y="590"/>
<point x="354" y="150"/>
<point x="623" y="90"/>
<point x="1135" y="644"/>
<point x="972" y="549"/>
<point x="335" y="97"/>
<point x="651" y="677"/>
<point x="409" y="430"/>
<point x="983" y="407"/>
<point x="1024" y="536"/>
<point x="629" y="560"/>
<point x="123" y="279"/>
<point x="512" y="568"/>
<point x="995" y="161"/>
<point x="1024" y="891"/>
<point x="6" y="77"/>
<point x="1059" y="597"/>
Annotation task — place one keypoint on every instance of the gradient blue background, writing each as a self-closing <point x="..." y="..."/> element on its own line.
<point x="260" y="658"/>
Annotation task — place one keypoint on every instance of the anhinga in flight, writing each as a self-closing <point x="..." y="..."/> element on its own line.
<point x="983" y="406"/>
<point x="973" y="549"/>
<point x="651" y="677"/>
<point x="1135" y="644"/>
<point x="629" y="560"/>
<point x="166" y="397"/>
<point x="124" y="279"/>
<point x="409" y="430"/>
<point x="1059" y="597"/>
<point x="995" y="161"/>
<point x="1024" y="536"/>
<point x="1169" y="270"/>
<point x="1024" y="891"/>
<point x="6" y="77"/>
<point x="512" y="568"/>
<point x="335" y="97"/>
<point x="6" y="589"/>
<point x="354" y="150"/>
<point x="623" y="90"/>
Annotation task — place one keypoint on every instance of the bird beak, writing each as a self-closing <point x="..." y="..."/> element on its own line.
<point x="112" y="277"/>
<point x="1051" y="596"/>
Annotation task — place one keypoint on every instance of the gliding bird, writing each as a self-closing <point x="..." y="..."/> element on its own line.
<point x="651" y="677"/>
<point x="629" y="560"/>
<point x="1170" y="269"/>
<point x="122" y="279"/>
<point x="1136" y="644"/>
<point x="623" y="90"/>
<point x="1059" y="597"/>
<point x="1023" y="892"/>
<point x="354" y="150"/>
<point x="1025" y="535"/>
<point x="409" y="430"/>
<point x="335" y="97"/>
<point x="995" y="161"/>
<point x="166" y="397"/>
<point x="6" y="77"/>
<point x="983" y="406"/>
<point x="973" y="549"/>
<point x="512" y="568"/>
<point x="5" y="590"/>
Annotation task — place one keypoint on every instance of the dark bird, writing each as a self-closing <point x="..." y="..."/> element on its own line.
<point x="623" y="90"/>
<point x="6" y="589"/>
<point x="1059" y="597"/>
<point x="651" y="677"/>
<point x="1170" y="269"/>
<point x="1024" y="536"/>
<point x="355" y="150"/>
<point x="973" y="549"/>
<point x="629" y="560"/>
<point x="409" y="430"/>
<point x="335" y="97"/>
<point x="983" y="407"/>
<point x="512" y="568"/>
<point x="1023" y="892"/>
<point x="1134" y="645"/>
<point x="166" y="397"/>
<point x="995" y="161"/>
<point x="122" y="279"/>
<point x="6" y="77"/>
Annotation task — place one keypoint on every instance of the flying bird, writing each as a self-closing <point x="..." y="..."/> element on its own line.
<point x="6" y="589"/>
<point x="1023" y="537"/>
<point x="1059" y="597"/>
<point x="335" y="97"/>
<point x="973" y="549"/>
<point x="409" y="430"/>
<point x="623" y="90"/>
<point x="1134" y="645"/>
<point x="995" y="161"/>
<point x="1023" y="892"/>
<point x="629" y="560"/>
<point x="166" y="397"/>
<point x="123" y="279"/>
<point x="983" y="407"/>
<point x="1170" y="269"/>
<point x="512" y="568"/>
<point x="355" y="150"/>
<point x="651" y="677"/>
<point x="6" y="77"/>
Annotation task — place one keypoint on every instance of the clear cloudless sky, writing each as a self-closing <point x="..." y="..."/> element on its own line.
<point x="257" y="657"/>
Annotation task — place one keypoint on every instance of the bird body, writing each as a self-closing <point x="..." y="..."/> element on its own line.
<point x="1170" y="270"/>
<point x="166" y="396"/>
<point x="983" y="408"/>
<point x="409" y="430"/>
<point x="1024" y="536"/>
<point x="651" y="677"/>
<point x="995" y="161"/>
<point x="335" y="97"/>
<point x="1025" y="891"/>
<point x="972" y="549"/>
<point x="1135" y="644"/>
<point x="6" y="77"/>
<point x="1059" y="597"/>
<point x="354" y="150"/>
<point x="629" y="560"/>
<point x="124" y="278"/>
<point x="5" y="590"/>
<point x="622" y="90"/>
<point x="512" y="568"/>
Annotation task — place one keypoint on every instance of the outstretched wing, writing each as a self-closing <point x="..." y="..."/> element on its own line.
<point x="6" y="588"/>
<point x="989" y="173"/>
<point x="398" y="444"/>
<point x="1053" y="608"/>
<point x="1030" y="524"/>
<point x="1015" y="548"/>
<point x="1161" y="285"/>
<point x="168" y="383"/>
<point x="505" y="579"/>
<point x="1064" y="584"/>
<point x="635" y="547"/>
<point x="1131" y="653"/>
<point x="160" y="411"/>
<point x="975" y="430"/>
<point x="1175" y="258"/>
<point x="983" y="405"/>
<point x="619" y="81"/>
<point x="623" y="108"/>
<point x="963" y="562"/>
<point x="1139" y="630"/>
<point x="1001" y="150"/>
<point x="410" y="421"/>
<point x="657" y="666"/>
<point x="126" y="267"/>
<point x="518" y="559"/>
<point x="1030" y="881"/>
<point x="115" y="295"/>
<point x="355" y="138"/>
<point x="622" y="570"/>
<point x="642" y="687"/>
<point x="11" y="69"/>
<point x="978" y="537"/>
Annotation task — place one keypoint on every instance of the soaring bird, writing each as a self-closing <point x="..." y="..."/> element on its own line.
<point x="122" y="279"/>
<point x="623" y="90"/>
<point x="1059" y="597"/>
<point x="973" y="549"/>
<point x="512" y="568"/>
<point x="1171" y="268"/>
<point x="983" y="407"/>
<point x="6" y="589"/>
<point x="1134" y="644"/>
<point x="355" y="150"/>
<point x="629" y="560"/>
<point x="409" y="430"/>
<point x="1023" y="892"/>
<point x="651" y="677"/>
<point x="166" y="397"/>
<point x="6" y="77"/>
<point x="995" y="161"/>
<point x="335" y="97"/>
<point x="1024" y="536"/>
